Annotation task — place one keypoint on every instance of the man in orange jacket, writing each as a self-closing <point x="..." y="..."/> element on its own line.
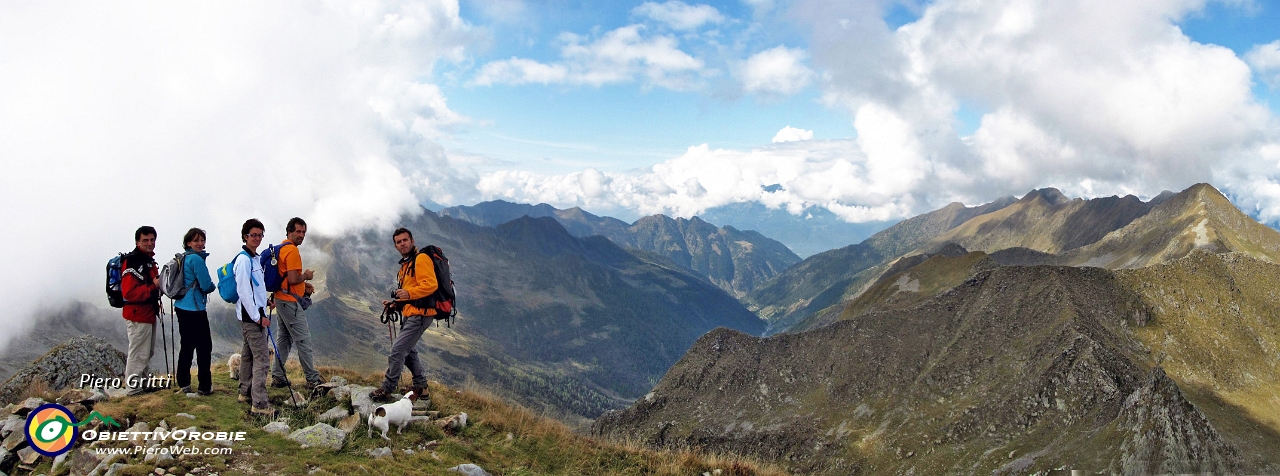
<point x="416" y="280"/>
<point x="140" y="287"/>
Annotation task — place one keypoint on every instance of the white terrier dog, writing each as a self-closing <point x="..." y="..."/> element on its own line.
<point x="398" y="413"/>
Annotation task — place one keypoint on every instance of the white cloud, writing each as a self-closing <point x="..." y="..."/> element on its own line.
<point x="1095" y="100"/>
<point x="788" y="134"/>
<point x="829" y="173"/>
<point x="520" y="71"/>
<point x="679" y="15"/>
<point x="178" y="115"/>
<point x="779" y="70"/>
<point x="622" y="55"/>
<point x="1265" y="60"/>
<point x="1091" y="99"/>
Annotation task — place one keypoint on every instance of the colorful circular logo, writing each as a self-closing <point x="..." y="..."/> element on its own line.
<point x="51" y="429"/>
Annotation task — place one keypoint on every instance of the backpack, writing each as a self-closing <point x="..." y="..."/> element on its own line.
<point x="227" y="280"/>
<point x="270" y="259"/>
<point x="115" y="274"/>
<point x="444" y="300"/>
<point x="172" y="278"/>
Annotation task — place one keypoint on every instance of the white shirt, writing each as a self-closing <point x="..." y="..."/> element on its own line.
<point x="250" y="286"/>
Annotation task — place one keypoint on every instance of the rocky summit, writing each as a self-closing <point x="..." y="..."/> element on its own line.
<point x="63" y="366"/>
<point x="1017" y="370"/>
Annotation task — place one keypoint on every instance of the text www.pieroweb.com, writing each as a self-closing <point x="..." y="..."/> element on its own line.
<point x="175" y="450"/>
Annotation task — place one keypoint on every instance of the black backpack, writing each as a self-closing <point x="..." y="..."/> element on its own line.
<point x="444" y="300"/>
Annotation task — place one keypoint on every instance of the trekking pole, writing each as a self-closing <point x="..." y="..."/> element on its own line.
<point x="164" y="342"/>
<point x="173" y="316"/>
<point x="286" y="372"/>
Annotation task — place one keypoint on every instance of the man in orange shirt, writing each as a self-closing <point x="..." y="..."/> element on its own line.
<point x="291" y="302"/>
<point x="416" y="280"/>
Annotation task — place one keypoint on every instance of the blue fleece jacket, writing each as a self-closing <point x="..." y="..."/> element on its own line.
<point x="195" y="275"/>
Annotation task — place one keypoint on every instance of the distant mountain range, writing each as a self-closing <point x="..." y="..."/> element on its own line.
<point x="572" y="325"/>
<point x="734" y="260"/>
<point x="812" y="231"/>
<point x="951" y="357"/>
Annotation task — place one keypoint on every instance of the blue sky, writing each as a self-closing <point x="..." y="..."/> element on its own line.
<point x="554" y="129"/>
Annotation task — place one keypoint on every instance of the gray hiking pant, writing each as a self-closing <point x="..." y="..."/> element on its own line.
<point x="293" y="330"/>
<point x="142" y="345"/>
<point x="254" y="362"/>
<point x="403" y="354"/>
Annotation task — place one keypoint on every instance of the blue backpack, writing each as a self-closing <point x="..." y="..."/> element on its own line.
<point x="270" y="259"/>
<point x="227" y="280"/>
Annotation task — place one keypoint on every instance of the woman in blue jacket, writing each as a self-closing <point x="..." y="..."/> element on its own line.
<point x="193" y="320"/>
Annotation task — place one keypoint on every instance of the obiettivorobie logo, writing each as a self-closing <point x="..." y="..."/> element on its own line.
<point x="51" y="428"/>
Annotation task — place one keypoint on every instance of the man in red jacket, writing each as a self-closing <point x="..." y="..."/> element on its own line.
<point x="140" y="287"/>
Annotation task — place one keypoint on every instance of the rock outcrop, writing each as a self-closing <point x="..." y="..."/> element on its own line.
<point x="62" y="366"/>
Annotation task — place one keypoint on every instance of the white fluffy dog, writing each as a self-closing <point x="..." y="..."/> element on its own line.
<point x="398" y="413"/>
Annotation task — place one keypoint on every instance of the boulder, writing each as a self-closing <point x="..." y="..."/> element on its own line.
<point x="184" y="415"/>
<point x="277" y="427"/>
<point x="12" y="424"/>
<point x="337" y="379"/>
<point x="83" y="461"/>
<point x="342" y="391"/>
<point x="349" y="424"/>
<point x="453" y="423"/>
<point x="335" y="413"/>
<point x="469" y="470"/>
<point x="361" y="401"/>
<point x="321" y="435"/>
<point x="27" y="406"/>
<point x="76" y="395"/>
<point x="28" y="455"/>
<point x="383" y="452"/>
<point x="15" y="441"/>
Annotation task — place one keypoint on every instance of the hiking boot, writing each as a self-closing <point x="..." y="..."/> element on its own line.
<point x="243" y="398"/>
<point x="420" y="392"/>
<point x="380" y="396"/>
<point x="279" y="383"/>
<point x="204" y="393"/>
<point x="186" y="389"/>
<point x="265" y="411"/>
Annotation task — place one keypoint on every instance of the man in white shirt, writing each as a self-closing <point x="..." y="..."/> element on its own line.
<point x="252" y="309"/>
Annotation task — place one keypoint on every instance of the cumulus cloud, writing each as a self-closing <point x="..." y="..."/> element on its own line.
<point x="1091" y="100"/>
<point x="788" y="134"/>
<point x="179" y="115"/>
<point x="1265" y="60"/>
<point x="679" y="15"/>
<point x="779" y="70"/>
<point x="1095" y="101"/>
<point x="626" y="54"/>
<point x="830" y="173"/>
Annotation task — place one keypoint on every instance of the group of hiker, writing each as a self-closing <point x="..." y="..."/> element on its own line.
<point x="261" y="285"/>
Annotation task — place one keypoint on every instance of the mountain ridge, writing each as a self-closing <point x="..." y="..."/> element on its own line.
<point x="733" y="260"/>
<point x="1040" y="361"/>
